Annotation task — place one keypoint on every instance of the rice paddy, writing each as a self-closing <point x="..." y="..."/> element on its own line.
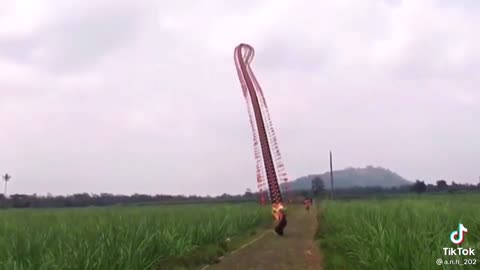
<point x="161" y="237"/>
<point x="403" y="233"/>
<point x="409" y="232"/>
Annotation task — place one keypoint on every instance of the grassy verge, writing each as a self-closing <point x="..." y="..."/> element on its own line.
<point x="401" y="233"/>
<point x="112" y="238"/>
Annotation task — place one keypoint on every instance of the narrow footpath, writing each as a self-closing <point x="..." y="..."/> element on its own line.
<point x="296" y="250"/>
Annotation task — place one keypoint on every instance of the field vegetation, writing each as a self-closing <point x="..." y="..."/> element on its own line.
<point x="161" y="237"/>
<point x="402" y="233"/>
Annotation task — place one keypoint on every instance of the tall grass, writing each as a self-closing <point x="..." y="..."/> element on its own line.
<point x="121" y="238"/>
<point x="402" y="233"/>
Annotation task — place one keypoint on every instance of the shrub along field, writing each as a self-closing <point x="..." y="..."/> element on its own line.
<point x="401" y="233"/>
<point x="161" y="237"/>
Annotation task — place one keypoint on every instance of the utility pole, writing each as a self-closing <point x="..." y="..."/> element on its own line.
<point x="6" y="178"/>
<point x="331" y="176"/>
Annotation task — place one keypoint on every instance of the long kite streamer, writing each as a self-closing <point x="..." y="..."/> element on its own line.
<point x="270" y="167"/>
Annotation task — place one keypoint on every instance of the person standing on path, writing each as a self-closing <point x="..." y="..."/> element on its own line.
<point x="280" y="218"/>
<point x="308" y="203"/>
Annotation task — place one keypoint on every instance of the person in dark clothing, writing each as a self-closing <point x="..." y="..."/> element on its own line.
<point x="280" y="219"/>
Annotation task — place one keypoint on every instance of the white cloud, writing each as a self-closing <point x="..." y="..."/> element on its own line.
<point x="22" y="17"/>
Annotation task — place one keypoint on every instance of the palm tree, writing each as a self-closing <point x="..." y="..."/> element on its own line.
<point x="6" y="178"/>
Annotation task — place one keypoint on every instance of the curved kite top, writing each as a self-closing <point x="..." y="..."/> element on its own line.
<point x="244" y="52"/>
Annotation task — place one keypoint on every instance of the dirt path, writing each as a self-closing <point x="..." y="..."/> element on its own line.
<point x="294" y="251"/>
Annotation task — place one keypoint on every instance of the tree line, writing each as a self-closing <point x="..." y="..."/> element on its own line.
<point x="317" y="190"/>
<point x="107" y="199"/>
<point x="418" y="187"/>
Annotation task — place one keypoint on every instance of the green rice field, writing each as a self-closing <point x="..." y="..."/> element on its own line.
<point x="160" y="237"/>
<point x="399" y="234"/>
<point x="402" y="233"/>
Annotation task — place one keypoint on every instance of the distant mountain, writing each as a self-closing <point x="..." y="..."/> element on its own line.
<point x="353" y="177"/>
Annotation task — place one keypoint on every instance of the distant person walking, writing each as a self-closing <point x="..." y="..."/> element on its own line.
<point x="307" y="203"/>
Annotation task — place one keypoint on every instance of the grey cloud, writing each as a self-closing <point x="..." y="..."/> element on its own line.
<point x="428" y="57"/>
<point x="300" y="55"/>
<point x="16" y="48"/>
<point x="394" y="2"/>
<point x="466" y="5"/>
<point x="80" y="40"/>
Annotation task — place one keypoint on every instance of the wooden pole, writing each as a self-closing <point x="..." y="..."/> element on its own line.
<point x="6" y="178"/>
<point x="331" y="176"/>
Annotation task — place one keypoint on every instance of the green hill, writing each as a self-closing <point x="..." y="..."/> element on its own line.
<point x="353" y="177"/>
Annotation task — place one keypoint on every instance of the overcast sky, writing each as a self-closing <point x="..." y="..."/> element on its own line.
<point x="143" y="97"/>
